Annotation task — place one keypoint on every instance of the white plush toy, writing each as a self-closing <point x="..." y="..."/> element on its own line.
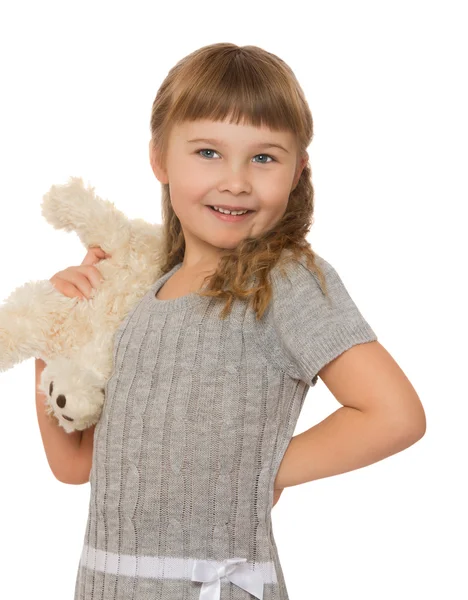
<point x="75" y="337"/>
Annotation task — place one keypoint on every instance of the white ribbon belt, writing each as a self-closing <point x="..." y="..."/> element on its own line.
<point x="234" y="570"/>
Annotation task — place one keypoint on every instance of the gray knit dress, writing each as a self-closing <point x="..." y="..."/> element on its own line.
<point x="198" y="414"/>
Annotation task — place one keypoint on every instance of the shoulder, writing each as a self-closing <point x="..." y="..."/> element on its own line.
<point x="307" y="324"/>
<point x="290" y="269"/>
<point x="295" y="281"/>
<point x="315" y="295"/>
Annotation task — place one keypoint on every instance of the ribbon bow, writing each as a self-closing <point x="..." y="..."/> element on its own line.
<point x="234" y="570"/>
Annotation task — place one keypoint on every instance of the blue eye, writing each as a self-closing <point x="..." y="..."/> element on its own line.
<point x="210" y="150"/>
<point x="272" y="159"/>
<point x="204" y="150"/>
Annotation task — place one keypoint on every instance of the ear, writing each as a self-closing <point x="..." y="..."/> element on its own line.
<point x="300" y="167"/>
<point x="160" y="173"/>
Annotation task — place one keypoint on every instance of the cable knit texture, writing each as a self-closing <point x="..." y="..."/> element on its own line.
<point x="197" y="417"/>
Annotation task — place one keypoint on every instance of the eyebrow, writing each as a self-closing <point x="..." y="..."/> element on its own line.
<point x="220" y="143"/>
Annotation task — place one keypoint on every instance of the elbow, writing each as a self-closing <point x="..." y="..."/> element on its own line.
<point x="74" y="472"/>
<point x="417" y="422"/>
<point x="417" y="430"/>
<point x="409" y="419"/>
<point x="62" y="479"/>
<point x="412" y="428"/>
<point x="71" y="478"/>
<point x="71" y="481"/>
<point x="402" y="429"/>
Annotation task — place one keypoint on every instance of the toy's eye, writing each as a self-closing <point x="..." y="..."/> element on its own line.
<point x="103" y="390"/>
<point x="51" y="388"/>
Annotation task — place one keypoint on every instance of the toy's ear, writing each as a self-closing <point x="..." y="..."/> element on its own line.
<point x="158" y="170"/>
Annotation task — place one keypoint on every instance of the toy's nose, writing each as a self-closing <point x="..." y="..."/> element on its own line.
<point x="61" y="400"/>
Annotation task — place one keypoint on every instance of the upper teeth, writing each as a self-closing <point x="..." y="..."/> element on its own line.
<point x="230" y="212"/>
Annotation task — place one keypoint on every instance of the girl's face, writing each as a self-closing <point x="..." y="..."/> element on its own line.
<point x="233" y="166"/>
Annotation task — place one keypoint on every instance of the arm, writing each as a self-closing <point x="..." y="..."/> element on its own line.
<point x="65" y="452"/>
<point x="85" y="458"/>
<point x="381" y="415"/>
<point x="69" y="454"/>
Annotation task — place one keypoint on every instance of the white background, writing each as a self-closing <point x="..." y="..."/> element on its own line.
<point x="386" y="83"/>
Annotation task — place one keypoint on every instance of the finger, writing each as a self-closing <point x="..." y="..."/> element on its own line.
<point x="100" y="252"/>
<point x="94" y="255"/>
<point x="79" y="280"/>
<point x="90" y="258"/>
<point x="67" y="288"/>
<point x="82" y="278"/>
<point x="93" y="274"/>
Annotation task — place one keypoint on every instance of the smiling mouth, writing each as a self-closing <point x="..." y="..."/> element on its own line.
<point x="231" y="209"/>
<point x="228" y="217"/>
<point x="67" y="418"/>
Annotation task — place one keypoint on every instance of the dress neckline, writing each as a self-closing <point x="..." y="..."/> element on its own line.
<point x="191" y="299"/>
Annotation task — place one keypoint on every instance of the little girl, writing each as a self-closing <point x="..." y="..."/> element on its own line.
<point x="211" y="368"/>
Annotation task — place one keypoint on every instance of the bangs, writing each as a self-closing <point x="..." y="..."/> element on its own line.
<point x="234" y="86"/>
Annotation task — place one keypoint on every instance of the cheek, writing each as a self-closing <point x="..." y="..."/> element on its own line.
<point x="191" y="184"/>
<point x="275" y="187"/>
<point x="187" y="189"/>
<point x="275" y="200"/>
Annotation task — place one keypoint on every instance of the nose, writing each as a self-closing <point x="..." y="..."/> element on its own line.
<point x="61" y="401"/>
<point x="236" y="181"/>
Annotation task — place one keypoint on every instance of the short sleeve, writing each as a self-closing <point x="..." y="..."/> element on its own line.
<point x="308" y="329"/>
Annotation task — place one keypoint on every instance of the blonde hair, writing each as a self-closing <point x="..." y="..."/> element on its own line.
<point x="253" y="86"/>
